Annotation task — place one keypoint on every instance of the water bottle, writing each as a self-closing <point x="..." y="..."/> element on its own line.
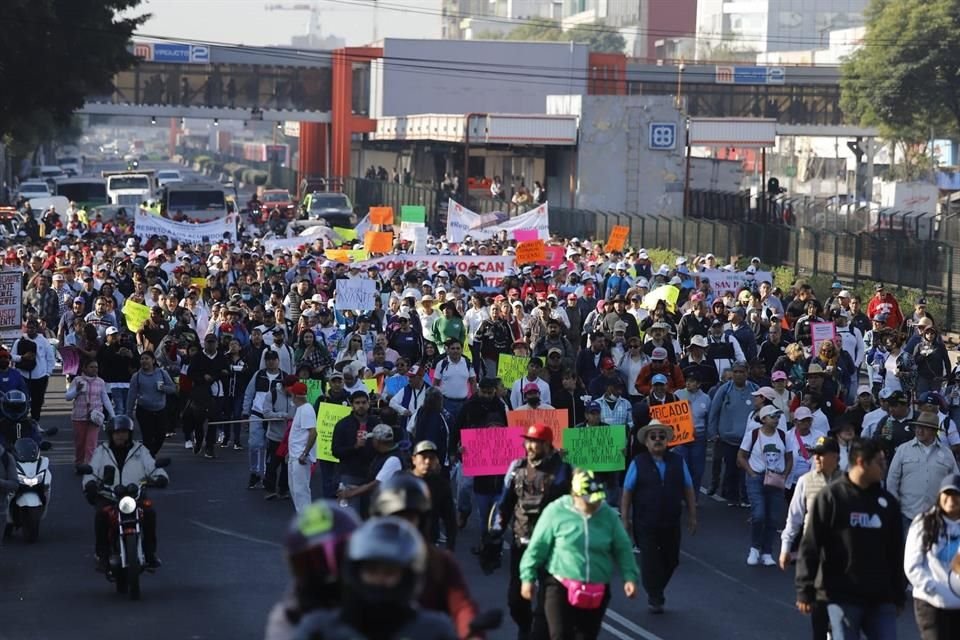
<point x="343" y="502"/>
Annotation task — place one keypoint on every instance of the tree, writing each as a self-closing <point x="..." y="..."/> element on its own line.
<point x="597" y="36"/>
<point x="905" y="79"/>
<point x="53" y="53"/>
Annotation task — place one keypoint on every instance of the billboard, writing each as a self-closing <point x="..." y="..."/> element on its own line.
<point x="167" y="52"/>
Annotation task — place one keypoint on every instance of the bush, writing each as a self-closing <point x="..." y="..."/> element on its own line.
<point x="662" y="256"/>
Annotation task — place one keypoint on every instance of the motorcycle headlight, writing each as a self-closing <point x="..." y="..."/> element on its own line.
<point x="28" y="481"/>
<point x="127" y="505"/>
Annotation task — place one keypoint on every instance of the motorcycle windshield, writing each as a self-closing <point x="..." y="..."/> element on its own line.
<point x="26" y="450"/>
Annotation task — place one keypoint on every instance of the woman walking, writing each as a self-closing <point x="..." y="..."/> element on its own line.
<point x="149" y="388"/>
<point x="930" y="561"/>
<point x="578" y="540"/>
<point x="91" y="407"/>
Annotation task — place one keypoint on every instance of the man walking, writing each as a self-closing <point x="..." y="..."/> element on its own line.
<point x="657" y="484"/>
<point x="729" y="410"/>
<point x="851" y="554"/>
<point x="33" y="356"/>
<point x="301" y="453"/>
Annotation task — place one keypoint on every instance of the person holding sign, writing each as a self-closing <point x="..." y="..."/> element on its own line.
<point x="655" y="488"/>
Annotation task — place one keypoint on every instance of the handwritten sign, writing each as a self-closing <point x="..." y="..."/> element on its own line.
<point x="378" y="241"/>
<point x="596" y="448"/>
<point x="135" y="314"/>
<point x="533" y="251"/>
<point x="556" y="419"/>
<point x="678" y="416"/>
<point x="722" y="281"/>
<point x="357" y="294"/>
<point x="328" y="415"/>
<point x="618" y="238"/>
<point x="489" y="451"/>
<point x="381" y="215"/>
<point x="511" y="368"/>
<point x="11" y="304"/>
<point x="314" y="391"/>
<point x="821" y="332"/>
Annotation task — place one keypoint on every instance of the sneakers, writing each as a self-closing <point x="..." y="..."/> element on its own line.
<point x="271" y="496"/>
<point x="224" y="444"/>
<point x="254" y="482"/>
<point x="753" y="558"/>
<point x="188" y="444"/>
<point x="283" y="496"/>
<point x="208" y="453"/>
<point x="767" y="560"/>
<point x="237" y="446"/>
<point x="655" y="608"/>
<point x="745" y="505"/>
<point x="152" y="562"/>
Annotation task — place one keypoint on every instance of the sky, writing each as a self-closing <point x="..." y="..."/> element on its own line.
<point x="249" y="22"/>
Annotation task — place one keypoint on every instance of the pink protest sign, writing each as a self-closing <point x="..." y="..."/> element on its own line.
<point x="555" y="256"/>
<point x="525" y="235"/>
<point x="489" y="451"/>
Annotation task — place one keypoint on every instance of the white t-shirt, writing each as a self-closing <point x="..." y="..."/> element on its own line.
<point x="800" y="464"/>
<point x="766" y="453"/>
<point x="890" y="379"/>
<point x="304" y="421"/>
<point x="453" y="378"/>
<point x="389" y="469"/>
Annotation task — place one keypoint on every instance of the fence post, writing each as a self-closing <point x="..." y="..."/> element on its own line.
<point x="948" y="321"/>
<point x="857" y="256"/>
<point x="816" y="252"/>
<point x="796" y="252"/>
<point x="923" y="267"/>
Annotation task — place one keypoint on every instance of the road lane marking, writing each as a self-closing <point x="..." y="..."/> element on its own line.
<point x="738" y="581"/>
<point x="630" y="626"/>
<point x="616" y="632"/>
<point x="235" y="534"/>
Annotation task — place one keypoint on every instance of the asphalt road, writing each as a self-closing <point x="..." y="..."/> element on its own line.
<point x="223" y="568"/>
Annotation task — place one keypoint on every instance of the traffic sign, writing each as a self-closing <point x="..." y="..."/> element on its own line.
<point x="729" y="74"/>
<point x="662" y="136"/>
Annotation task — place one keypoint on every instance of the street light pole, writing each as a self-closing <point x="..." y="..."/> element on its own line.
<point x="680" y="69"/>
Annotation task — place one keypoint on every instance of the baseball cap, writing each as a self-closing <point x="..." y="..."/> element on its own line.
<point x="539" y="432"/>
<point x="531" y="388"/>
<point x="297" y="389"/>
<point x="825" y="444"/>
<point x="885" y="393"/>
<point x="802" y="413"/>
<point x="593" y="405"/>
<point x="112" y="330"/>
<point x="768" y="410"/>
<point x="898" y="396"/>
<point x="698" y="341"/>
<point x="659" y="379"/>
<point x="659" y="354"/>
<point x="766" y="392"/>
<point x="382" y="433"/>
<point x="424" y="446"/>
<point x="950" y="482"/>
<point x="880" y="317"/>
<point x="586" y="485"/>
<point x="864" y="389"/>
<point x="607" y="363"/>
<point x="553" y="350"/>
<point x="778" y="375"/>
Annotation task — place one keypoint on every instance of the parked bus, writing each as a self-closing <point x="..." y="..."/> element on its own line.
<point x="197" y="202"/>
<point x="86" y="192"/>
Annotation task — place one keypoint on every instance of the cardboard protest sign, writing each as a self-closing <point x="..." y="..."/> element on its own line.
<point x="413" y="213"/>
<point x="347" y="235"/>
<point x="511" y="368"/>
<point x="346" y="256"/>
<point x="554" y="255"/>
<point x="530" y="252"/>
<point x="135" y="314"/>
<point x="381" y="215"/>
<point x="490" y="450"/>
<point x="525" y="235"/>
<point x="822" y="332"/>
<point x="618" y="238"/>
<point x="678" y="416"/>
<point x="378" y="241"/>
<point x="11" y="304"/>
<point x="357" y="294"/>
<point x="371" y="384"/>
<point x="328" y="415"/>
<point x="596" y="448"/>
<point x="667" y="293"/>
<point x="556" y="419"/>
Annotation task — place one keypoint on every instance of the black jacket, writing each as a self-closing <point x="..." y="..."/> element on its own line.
<point x="528" y="489"/>
<point x="852" y="550"/>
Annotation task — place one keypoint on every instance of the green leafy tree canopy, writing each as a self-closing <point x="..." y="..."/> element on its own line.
<point x="597" y="36"/>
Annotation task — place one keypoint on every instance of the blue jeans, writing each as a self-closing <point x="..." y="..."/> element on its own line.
<point x="733" y="475"/>
<point x="695" y="455"/>
<point x="257" y="445"/>
<point x="467" y="499"/>
<point x="118" y="396"/>
<point x="453" y="407"/>
<point x="767" y="508"/>
<point x="877" y="621"/>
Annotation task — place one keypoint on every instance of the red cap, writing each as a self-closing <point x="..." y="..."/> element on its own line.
<point x="539" y="432"/>
<point x="541" y="296"/>
<point x="531" y="386"/>
<point x="607" y="363"/>
<point x="297" y="389"/>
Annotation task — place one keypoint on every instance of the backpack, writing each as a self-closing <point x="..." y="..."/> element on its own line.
<point x="756" y="436"/>
<point x="446" y="363"/>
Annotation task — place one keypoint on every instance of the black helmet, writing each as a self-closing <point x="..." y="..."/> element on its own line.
<point x="315" y="545"/>
<point x="14" y="405"/>
<point x="401" y="492"/>
<point x="119" y="423"/>
<point x="386" y="541"/>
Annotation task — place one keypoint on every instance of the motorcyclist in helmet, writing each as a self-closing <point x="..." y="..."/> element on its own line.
<point x="445" y="589"/>
<point x="382" y="579"/>
<point x="131" y="463"/>
<point x="315" y="546"/>
<point x="15" y="420"/>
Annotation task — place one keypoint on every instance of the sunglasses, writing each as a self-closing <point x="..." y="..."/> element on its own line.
<point x="656" y="436"/>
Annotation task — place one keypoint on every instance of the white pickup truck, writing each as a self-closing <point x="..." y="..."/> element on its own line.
<point x="130" y="188"/>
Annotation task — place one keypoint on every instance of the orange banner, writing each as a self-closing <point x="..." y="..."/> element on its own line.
<point x="381" y="215"/>
<point x="678" y="416"/>
<point x="618" y="238"/>
<point x="531" y="251"/>
<point x="378" y="241"/>
<point x="556" y="419"/>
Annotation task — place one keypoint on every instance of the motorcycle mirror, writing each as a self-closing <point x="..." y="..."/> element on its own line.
<point x="84" y="469"/>
<point x="51" y="431"/>
<point x="45" y="446"/>
<point x="163" y="462"/>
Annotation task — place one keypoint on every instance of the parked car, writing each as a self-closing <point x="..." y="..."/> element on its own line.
<point x="333" y="208"/>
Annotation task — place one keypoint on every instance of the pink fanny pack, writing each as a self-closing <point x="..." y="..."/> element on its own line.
<point x="584" y="595"/>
